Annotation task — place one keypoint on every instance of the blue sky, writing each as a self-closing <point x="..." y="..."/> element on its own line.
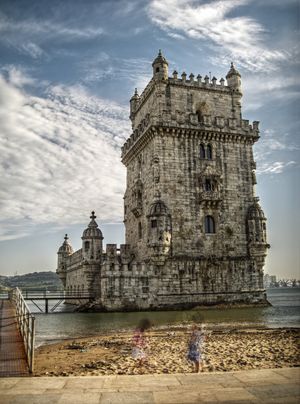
<point x="67" y="72"/>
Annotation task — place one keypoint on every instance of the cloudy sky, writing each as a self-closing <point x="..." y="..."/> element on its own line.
<point x="67" y="71"/>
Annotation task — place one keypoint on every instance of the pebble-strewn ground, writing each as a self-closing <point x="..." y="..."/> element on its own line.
<point x="224" y="351"/>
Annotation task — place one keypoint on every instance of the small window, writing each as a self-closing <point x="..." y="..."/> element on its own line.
<point x="153" y="224"/>
<point x="209" y="152"/>
<point x="86" y="245"/>
<point x="200" y="116"/>
<point x="202" y="151"/>
<point x="157" y="69"/>
<point x="209" y="225"/>
<point x="140" y="230"/>
<point x="208" y="186"/>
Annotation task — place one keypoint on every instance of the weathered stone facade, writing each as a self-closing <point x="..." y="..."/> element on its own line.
<point x="195" y="232"/>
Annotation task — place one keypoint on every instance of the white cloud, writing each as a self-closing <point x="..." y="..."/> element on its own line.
<point x="267" y="150"/>
<point x="31" y="49"/>
<point x="238" y="38"/>
<point x="276" y="167"/>
<point x="258" y="90"/>
<point x="103" y="66"/>
<point x="17" y="76"/>
<point x="29" y="35"/>
<point x="60" y="157"/>
<point x="50" y="28"/>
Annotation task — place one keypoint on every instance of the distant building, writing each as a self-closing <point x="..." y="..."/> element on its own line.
<point x="270" y="281"/>
<point x="195" y="231"/>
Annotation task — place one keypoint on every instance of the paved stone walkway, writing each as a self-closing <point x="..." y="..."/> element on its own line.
<point x="253" y="386"/>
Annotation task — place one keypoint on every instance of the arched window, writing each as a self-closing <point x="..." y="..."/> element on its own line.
<point x="86" y="245"/>
<point x="209" y="225"/>
<point x="202" y="151"/>
<point x="140" y="230"/>
<point x="157" y="69"/>
<point x="209" y="152"/>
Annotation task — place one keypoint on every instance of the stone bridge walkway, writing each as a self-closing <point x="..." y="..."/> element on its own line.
<point x="253" y="386"/>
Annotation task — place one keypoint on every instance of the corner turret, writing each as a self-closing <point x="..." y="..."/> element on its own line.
<point x="133" y="105"/>
<point x="233" y="78"/>
<point x="159" y="231"/>
<point x="256" y="226"/>
<point x="92" y="241"/>
<point x="63" y="252"/>
<point x="160" y="67"/>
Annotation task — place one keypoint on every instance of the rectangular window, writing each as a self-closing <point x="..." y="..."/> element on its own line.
<point x="153" y="224"/>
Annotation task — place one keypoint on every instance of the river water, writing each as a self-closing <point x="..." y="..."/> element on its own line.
<point x="284" y="312"/>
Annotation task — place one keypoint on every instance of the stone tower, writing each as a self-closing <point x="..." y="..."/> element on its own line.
<point x="189" y="200"/>
<point x="195" y="232"/>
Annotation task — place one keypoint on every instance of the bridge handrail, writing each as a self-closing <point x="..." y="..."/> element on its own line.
<point x="60" y="294"/>
<point x="26" y="324"/>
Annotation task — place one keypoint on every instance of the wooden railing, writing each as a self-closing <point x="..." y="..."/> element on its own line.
<point x="26" y="324"/>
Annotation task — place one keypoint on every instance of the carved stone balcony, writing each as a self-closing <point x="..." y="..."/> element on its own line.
<point x="210" y="197"/>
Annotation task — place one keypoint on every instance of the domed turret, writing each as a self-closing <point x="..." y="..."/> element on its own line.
<point x="92" y="240"/>
<point x="256" y="224"/>
<point x="133" y="104"/>
<point x="63" y="252"/>
<point x="160" y="67"/>
<point x="256" y="212"/>
<point x="233" y="78"/>
<point x="158" y="208"/>
<point x="159" y="231"/>
<point x="66" y="247"/>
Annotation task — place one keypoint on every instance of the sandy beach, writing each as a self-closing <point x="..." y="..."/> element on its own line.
<point x="225" y="350"/>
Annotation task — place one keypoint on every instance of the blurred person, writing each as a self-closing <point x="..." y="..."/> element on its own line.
<point x="195" y="347"/>
<point x="139" y="342"/>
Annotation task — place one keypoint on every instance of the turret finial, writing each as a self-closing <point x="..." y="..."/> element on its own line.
<point x="157" y="194"/>
<point x="66" y="237"/>
<point x="93" y="216"/>
<point x="159" y="52"/>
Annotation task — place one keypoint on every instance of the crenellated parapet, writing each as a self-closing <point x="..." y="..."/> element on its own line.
<point x="188" y="103"/>
<point x="206" y="83"/>
<point x="115" y="255"/>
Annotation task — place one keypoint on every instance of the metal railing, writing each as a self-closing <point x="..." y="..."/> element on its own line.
<point x="54" y="294"/>
<point x="26" y="324"/>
